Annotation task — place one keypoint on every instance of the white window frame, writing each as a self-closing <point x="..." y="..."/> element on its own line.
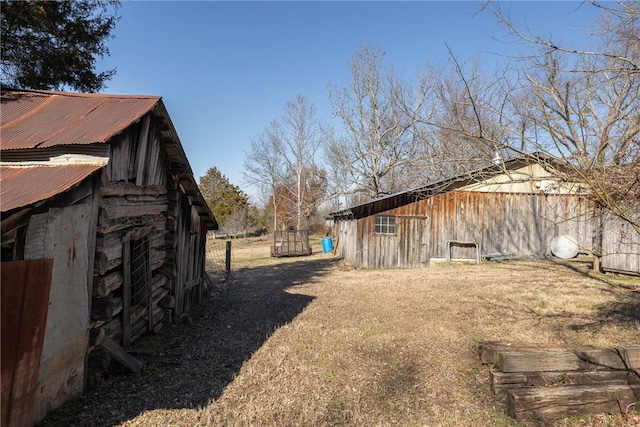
<point x="384" y="224"/>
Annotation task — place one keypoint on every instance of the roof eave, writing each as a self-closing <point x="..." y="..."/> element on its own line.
<point x="449" y="184"/>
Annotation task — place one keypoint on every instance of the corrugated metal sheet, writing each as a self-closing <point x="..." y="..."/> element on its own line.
<point x="23" y="186"/>
<point x="47" y="119"/>
<point x="38" y="120"/>
<point x="25" y="303"/>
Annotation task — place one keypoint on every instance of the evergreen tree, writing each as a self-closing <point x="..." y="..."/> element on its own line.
<point x="223" y="198"/>
<point x="54" y="44"/>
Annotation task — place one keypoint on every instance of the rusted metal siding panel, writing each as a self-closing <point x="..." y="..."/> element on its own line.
<point x="25" y="302"/>
<point x="23" y="186"/>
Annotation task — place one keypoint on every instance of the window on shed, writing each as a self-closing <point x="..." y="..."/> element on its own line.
<point x="385" y="225"/>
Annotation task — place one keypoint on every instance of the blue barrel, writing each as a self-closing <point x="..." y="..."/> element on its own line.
<point x="327" y="245"/>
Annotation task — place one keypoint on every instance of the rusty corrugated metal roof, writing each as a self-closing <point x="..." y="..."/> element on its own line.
<point x="42" y="119"/>
<point x="25" y="185"/>
<point x="38" y="119"/>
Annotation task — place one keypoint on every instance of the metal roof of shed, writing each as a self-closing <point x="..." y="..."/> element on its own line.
<point x="26" y="185"/>
<point x="382" y="204"/>
<point x="35" y="120"/>
<point x="39" y="119"/>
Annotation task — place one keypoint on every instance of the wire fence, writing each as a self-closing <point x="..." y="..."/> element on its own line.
<point x="219" y="267"/>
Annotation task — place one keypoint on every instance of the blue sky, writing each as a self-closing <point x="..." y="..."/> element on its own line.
<point x="226" y="69"/>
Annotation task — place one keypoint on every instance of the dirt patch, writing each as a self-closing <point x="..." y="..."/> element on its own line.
<point x="307" y="341"/>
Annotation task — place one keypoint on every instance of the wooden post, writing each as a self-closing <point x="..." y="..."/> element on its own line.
<point x="227" y="264"/>
<point x="128" y="361"/>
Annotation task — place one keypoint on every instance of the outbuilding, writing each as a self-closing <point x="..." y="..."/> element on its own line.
<point x="513" y="208"/>
<point x="103" y="239"/>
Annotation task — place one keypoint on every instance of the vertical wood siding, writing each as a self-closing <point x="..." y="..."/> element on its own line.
<point x="347" y="241"/>
<point x="138" y="156"/>
<point x="505" y="223"/>
<point x="620" y="246"/>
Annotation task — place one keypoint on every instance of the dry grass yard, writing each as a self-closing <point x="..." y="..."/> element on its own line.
<point x="311" y="342"/>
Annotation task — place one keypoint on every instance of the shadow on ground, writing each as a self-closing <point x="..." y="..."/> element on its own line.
<point x="625" y="311"/>
<point x="187" y="366"/>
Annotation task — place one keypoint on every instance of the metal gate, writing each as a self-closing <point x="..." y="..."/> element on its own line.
<point x="291" y="243"/>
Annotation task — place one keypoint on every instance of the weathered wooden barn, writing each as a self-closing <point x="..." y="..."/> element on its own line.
<point x="99" y="186"/>
<point x="514" y="208"/>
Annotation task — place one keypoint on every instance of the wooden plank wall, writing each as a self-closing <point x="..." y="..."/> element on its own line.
<point x="519" y="224"/>
<point x="140" y="199"/>
<point x="190" y="254"/>
<point x="620" y="246"/>
<point x="346" y="241"/>
<point x="182" y="232"/>
<point x="138" y="156"/>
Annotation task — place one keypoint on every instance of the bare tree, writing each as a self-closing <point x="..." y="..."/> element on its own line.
<point x="239" y="222"/>
<point x="378" y="110"/>
<point x="462" y="132"/>
<point x="283" y="161"/>
<point x="300" y="133"/>
<point x="583" y="106"/>
<point x="263" y="167"/>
